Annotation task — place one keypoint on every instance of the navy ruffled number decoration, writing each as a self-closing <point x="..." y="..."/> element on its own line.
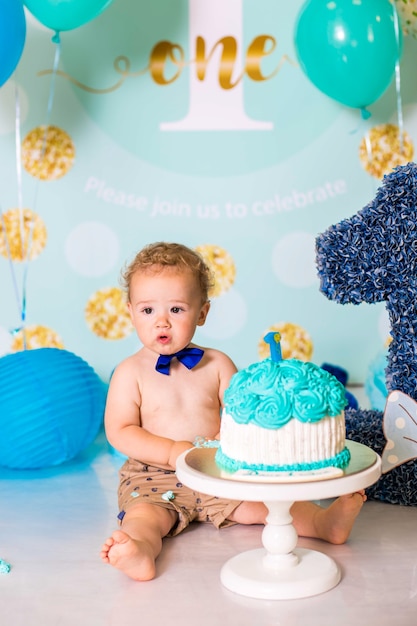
<point x="372" y="257"/>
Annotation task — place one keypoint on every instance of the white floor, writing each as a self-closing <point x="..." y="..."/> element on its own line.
<point x="52" y="523"/>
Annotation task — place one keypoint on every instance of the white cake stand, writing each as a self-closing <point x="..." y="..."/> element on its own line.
<point x="279" y="570"/>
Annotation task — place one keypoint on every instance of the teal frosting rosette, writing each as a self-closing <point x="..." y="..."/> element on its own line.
<point x="271" y="393"/>
<point x="310" y="405"/>
<point x="273" y="411"/>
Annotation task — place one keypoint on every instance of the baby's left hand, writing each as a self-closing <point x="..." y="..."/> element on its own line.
<point x="204" y="442"/>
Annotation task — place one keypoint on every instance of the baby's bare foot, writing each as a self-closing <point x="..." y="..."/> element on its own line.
<point x="134" y="558"/>
<point x="336" y="522"/>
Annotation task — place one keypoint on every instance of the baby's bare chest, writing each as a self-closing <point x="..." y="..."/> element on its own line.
<point x="179" y="406"/>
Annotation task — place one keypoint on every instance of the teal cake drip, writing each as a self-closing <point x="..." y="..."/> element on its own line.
<point x="340" y="460"/>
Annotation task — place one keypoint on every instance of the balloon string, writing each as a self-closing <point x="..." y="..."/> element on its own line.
<point x="25" y="277"/>
<point x="368" y="146"/>
<point x="21" y="303"/>
<point x="57" y="41"/>
<point x="12" y="269"/>
<point x="363" y="127"/>
<point x="364" y="116"/>
<point x="22" y="299"/>
<point x="18" y="141"/>
<point x="24" y="254"/>
<point x="398" y="81"/>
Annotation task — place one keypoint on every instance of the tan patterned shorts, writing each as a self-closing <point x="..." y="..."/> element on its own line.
<point x="140" y="482"/>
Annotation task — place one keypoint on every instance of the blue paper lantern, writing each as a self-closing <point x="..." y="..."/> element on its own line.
<point x="51" y="407"/>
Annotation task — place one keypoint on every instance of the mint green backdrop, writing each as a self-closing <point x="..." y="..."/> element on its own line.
<point x="255" y="163"/>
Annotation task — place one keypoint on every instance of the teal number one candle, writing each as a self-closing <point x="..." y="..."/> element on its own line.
<point x="274" y="340"/>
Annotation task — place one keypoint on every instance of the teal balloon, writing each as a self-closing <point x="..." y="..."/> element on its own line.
<point x="12" y="36"/>
<point x="348" y="49"/>
<point x="66" y="14"/>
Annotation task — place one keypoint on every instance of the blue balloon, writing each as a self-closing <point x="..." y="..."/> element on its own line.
<point x="66" y="14"/>
<point x="349" y="49"/>
<point x="12" y="36"/>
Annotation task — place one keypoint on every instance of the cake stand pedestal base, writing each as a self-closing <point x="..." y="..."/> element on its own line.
<point x="280" y="571"/>
<point x="246" y="575"/>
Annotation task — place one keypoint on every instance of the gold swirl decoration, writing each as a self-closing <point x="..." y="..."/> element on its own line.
<point x="166" y="54"/>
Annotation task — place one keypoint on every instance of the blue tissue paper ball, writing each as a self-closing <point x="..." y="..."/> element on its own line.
<point x="51" y="407"/>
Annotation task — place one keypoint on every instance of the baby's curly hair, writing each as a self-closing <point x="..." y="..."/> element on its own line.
<point x="156" y="256"/>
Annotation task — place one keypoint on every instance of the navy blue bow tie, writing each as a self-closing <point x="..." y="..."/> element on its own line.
<point x="188" y="357"/>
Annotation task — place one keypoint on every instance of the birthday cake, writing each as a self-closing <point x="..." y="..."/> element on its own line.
<point x="283" y="416"/>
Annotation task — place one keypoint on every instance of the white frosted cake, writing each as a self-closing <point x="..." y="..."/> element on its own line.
<point x="283" y="416"/>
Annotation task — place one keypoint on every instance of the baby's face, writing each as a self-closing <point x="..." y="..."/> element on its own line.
<point x="165" y="307"/>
